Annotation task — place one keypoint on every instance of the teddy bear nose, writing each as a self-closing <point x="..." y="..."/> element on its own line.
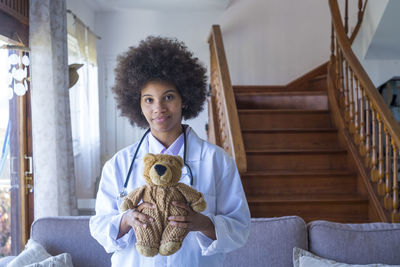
<point x="160" y="169"/>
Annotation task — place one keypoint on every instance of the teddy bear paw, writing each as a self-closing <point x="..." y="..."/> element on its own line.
<point x="169" y="248"/>
<point x="146" y="251"/>
<point x="200" y="205"/>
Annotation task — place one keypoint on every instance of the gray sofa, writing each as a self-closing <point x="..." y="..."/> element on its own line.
<point x="271" y="241"/>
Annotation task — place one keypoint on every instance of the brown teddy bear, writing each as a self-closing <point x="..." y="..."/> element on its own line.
<point x="162" y="173"/>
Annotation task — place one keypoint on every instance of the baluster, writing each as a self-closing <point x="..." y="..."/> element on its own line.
<point x="362" y="117"/>
<point x="374" y="159"/>
<point x="336" y="81"/>
<point x="337" y="68"/>
<point x="367" y="133"/>
<point x="346" y="17"/>
<point x="388" y="201"/>
<point x="382" y="182"/>
<point x="356" y="112"/>
<point x="341" y="80"/>
<point x="379" y="173"/>
<point x="332" y="43"/>
<point x="350" y="115"/>
<point x="360" y="5"/>
<point x="395" y="211"/>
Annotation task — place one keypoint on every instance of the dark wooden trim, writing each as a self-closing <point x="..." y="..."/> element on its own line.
<point x="19" y="9"/>
<point x="13" y="29"/>
<point x="318" y="71"/>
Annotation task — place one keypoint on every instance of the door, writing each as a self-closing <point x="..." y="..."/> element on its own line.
<point x="16" y="179"/>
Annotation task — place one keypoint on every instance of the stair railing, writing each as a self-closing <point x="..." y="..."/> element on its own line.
<point x="223" y="127"/>
<point x="366" y="116"/>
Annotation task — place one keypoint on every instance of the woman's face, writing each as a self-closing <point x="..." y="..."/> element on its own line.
<point x="161" y="105"/>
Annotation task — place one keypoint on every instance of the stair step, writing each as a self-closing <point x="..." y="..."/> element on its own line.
<point x="332" y="207"/>
<point x="290" y="138"/>
<point x="296" y="159"/>
<point x="318" y="83"/>
<point x="273" y="88"/>
<point x="300" y="182"/>
<point x="319" y="77"/>
<point x="282" y="100"/>
<point x="264" y="119"/>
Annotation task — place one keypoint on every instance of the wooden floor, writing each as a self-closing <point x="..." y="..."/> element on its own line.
<point x="296" y="165"/>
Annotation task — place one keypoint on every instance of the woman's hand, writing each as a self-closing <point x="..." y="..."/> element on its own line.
<point x="193" y="221"/>
<point x="134" y="217"/>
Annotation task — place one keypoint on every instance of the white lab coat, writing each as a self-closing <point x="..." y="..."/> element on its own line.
<point x="215" y="175"/>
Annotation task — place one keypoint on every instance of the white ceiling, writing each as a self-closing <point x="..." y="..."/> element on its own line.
<point x="189" y="5"/>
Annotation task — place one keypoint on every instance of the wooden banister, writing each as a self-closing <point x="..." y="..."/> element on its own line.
<point x="366" y="115"/>
<point x="18" y="9"/>
<point x="224" y="127"/>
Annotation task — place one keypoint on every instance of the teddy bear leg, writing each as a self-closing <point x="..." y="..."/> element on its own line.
<point x="171" y="240"/>
<point x="146" y="251"/>
<point x="148" y="239"/>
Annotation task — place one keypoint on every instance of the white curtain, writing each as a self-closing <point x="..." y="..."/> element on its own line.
<point x="84" y="99"/>
<point x="54" y="186"/>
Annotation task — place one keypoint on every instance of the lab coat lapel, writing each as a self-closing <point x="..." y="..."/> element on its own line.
<point x="143" y="150"/>
<point x="194" y="147"/>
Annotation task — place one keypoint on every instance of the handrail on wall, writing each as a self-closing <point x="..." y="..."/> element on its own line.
<point x="367" y="118"/>
<point x="224" y="127"/>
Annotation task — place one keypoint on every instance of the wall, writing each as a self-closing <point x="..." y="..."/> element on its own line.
<point x="84" y="11"/>
<point x="274" y="41"/>
<point x="121" y="29"/>
<point x="380" y="67"/>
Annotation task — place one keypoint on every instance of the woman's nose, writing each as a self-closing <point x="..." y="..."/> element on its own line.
<point x="159" y="106"/>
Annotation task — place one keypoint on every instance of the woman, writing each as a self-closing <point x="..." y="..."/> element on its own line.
<point x="157" y="84"/>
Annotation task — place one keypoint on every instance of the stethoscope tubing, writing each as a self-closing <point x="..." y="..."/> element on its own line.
<point x="123" y="192"/>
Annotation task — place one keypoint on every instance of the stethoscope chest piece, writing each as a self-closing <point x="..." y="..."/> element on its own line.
<point x="122" y="194"/>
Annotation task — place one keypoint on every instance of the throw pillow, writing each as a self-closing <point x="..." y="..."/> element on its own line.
<point x="303" y="258"/>
<point x="62" y="260"/>
<point x="33" y="252"/>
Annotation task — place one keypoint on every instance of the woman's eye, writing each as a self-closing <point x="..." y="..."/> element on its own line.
<point x="169" y="97"/>
<point x="148" y="100"/>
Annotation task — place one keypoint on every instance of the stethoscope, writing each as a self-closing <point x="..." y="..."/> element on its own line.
<point x="124" y="192"/>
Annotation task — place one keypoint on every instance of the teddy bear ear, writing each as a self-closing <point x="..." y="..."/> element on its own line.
<point x="149" y="158"/>
<point x="179" y="160"/>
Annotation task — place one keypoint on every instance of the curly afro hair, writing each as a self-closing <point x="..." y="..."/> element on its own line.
<point x="161" y="60"/>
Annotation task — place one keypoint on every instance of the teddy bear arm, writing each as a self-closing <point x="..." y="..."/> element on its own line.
<point x="193" y="197"/>
<point x="133" y="198"/>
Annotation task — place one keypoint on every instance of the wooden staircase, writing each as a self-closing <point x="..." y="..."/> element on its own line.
<point x="296" y="164"/>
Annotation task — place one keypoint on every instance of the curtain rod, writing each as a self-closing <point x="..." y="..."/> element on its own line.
<point x="77" y="18"/>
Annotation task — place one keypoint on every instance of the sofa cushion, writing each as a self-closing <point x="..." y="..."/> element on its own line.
<point x="6" y="260"/>
<point x="303" y="258"/>
<point x="355" y="243"/>
<point x="33" y="252"/>
<point x="62" y="260"/>
<point x="270" y="243"/>
<point x="70" y="234"/>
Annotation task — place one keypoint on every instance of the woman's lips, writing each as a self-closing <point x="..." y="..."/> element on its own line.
<point x="161" y="119"/>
